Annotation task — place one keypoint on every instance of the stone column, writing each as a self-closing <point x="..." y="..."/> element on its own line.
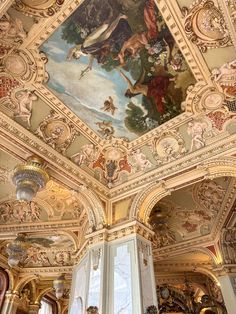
<point x="227" y="271"/>
<point x="227" y="280"/>
<point x="116" y="273"/>
<point x="11" y="303"/>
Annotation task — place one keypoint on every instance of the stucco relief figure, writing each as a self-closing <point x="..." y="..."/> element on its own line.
<point x="196" y="130"/>
<point x="11" y="29"/>
<point x="13" y="211"/>
<point x="225" y="78"/>
<point x="87" y="155"/>
<point x="209" y="194"/>
<point x="25" y="100"/>
<point x="139" y="161"/>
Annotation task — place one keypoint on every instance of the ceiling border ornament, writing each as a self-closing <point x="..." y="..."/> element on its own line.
<point x="45" y="9"/>
<point x="205" y="26"/>
<point x="14" y="132"/>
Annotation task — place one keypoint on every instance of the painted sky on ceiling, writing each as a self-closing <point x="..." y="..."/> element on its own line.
<point x="117" y="67"/>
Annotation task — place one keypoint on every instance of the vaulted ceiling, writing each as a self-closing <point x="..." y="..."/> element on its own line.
<point x="132" y="106"/>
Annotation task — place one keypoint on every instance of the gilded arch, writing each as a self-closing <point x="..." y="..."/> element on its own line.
<point x="145" y="200"/>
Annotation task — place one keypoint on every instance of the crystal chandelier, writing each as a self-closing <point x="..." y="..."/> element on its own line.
<point x="29" y="178"/>
<point x="59" y="286"/>
<point x="16" y="250"/>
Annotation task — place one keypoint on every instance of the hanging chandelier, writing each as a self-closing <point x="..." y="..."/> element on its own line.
<point x="17" y="251"/>
<point x="29" y="178"/>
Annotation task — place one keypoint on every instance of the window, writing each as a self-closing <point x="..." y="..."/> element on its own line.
<point x="48" y="306"/>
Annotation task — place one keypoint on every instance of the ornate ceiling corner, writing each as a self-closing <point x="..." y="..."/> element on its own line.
<point x="56" y="131"/>
<point x="205" y="25"/>
<point x="45" y="8"/>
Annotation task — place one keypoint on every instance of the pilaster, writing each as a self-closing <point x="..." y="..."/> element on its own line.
<point x="115" y="272"/>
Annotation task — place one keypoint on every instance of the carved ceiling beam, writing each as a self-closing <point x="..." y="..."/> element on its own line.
<point x="228" y="8"/>
<point x="8" y="229"/>
<point x="4" y="6"/>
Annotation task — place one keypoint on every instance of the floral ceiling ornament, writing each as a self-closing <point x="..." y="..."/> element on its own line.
<point x="29" y="178"/>
<point x="168" y="147"/>
<point x="45" y="8"/>
<point x="205" y="25"/>
<point x="16" y="251"/>
<point x="57" y="131"/>
<point x="112" y="161"/>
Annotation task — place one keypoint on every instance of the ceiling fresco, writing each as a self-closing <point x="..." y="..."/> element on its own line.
<point x="117" y="67"/>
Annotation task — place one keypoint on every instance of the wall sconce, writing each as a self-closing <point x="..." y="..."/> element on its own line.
<point x="59" y="286"/>
<point x="16" y="250"/>
<point x="29" y="178"/>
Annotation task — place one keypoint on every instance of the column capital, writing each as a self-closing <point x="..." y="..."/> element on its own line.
<point x="127" y="229"/>
<point x="34" y="308"/>
<point x="225" y="269"/>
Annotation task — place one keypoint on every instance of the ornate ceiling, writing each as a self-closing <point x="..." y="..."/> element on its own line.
<point x="132" y="106"/>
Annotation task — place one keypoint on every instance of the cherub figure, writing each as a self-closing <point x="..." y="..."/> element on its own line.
<point x="109" y="105"/>
<point x="106" y="128"/>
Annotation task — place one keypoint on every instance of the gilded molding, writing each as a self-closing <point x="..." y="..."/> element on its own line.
<point x="205" y="26"/>
<point x="45" y="8"/>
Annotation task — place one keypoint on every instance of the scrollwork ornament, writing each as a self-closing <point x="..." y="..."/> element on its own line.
<point x="168" y="147"/>
<point x="35" y="8"/>
<point x="57" y="131"/>
<point x="21" y="65"/>
<point x="205" y="26"/>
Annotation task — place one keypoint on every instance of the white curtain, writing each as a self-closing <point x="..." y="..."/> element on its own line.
<point x="46" y="308"/>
